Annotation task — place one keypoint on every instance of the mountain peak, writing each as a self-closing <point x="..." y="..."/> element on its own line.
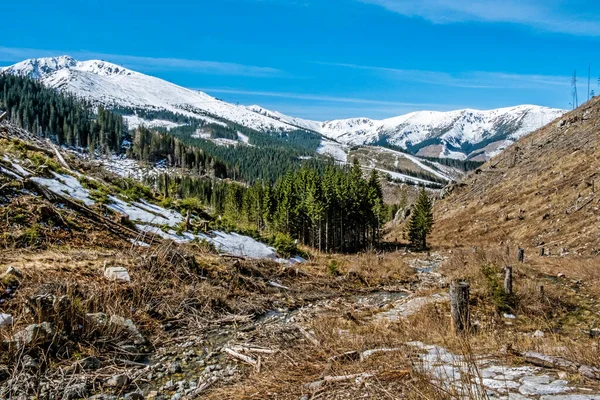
<point x="39" y="68"/>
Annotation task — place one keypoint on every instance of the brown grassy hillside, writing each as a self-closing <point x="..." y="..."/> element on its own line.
<point x="543" y="191"/>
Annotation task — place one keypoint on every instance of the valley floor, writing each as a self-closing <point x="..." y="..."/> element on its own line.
<point x="356" y="326"/>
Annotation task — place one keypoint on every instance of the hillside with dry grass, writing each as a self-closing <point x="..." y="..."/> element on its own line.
<point x="543" y="191"/>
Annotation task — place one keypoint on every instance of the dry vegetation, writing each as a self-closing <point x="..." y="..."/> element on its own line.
<point x="543" y="191"/>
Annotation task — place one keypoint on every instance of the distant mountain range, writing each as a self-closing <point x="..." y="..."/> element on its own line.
<point x="464" y="134"/>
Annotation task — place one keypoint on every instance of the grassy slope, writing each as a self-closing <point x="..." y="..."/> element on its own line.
<point x="539" y="192"/>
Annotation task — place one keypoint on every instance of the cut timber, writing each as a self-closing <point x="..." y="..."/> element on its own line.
<point x="318" y="385"/>
<point x="61" y="159"/>
<point x="242" y="357"/>
<point x="521" y="255"/>
<point x="459" y="303"/>
<point x="508" y="280"/>
<point x="311" y="338"/>
<point x="369" y="353"/>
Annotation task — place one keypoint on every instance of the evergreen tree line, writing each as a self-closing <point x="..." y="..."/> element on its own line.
<point x="463" y="165"/>
<point x="153" y="147"/>
<point x="61" y="117"/>
<point x="334" y="209"/>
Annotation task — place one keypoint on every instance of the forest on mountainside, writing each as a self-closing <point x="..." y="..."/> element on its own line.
<point x="61" y="117"/>
<point x="334" y="209"/>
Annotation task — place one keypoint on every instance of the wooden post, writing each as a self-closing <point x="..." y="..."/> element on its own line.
<point x="542" y="252"/>
<point x="166" y="184"/>
<point x="187" y="220"/>
<point x="508" y="280"/>
<point x="521" y="255"/>
<point x="541" y="292"/>
<point x="459" y="302"/>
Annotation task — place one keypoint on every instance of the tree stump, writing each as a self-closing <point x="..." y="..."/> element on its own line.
<point x="459" y="302"/>
<point x="508" y="280"/>
<point x="521" y="255"/>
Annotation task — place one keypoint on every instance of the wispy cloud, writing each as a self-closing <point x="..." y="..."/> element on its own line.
<point x="548" y="15"/>
<point x="321" y="98"/>
<point x="473" y="80"/>
<point x="9" y="54"/>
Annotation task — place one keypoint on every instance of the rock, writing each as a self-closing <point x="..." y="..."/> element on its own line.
<point x="129" y="326"/>
<point x="175" y="368"/>
<point x="561" y="123"/>
<point x="29" y="363"/>
<point x="560" y="275"/>
<point x="176" y="396"/>
<point x="75" y="391"/>
<point x="98" y="319"/>
<point x="509" y="316"/>
<point x="6" y="320"/>
<point x="538" y="334"/>
<point x="134" y="396"/>
<point x="117" y="381"/>
<point x="90" y="363"/>
<point x="36" y="333"/>
<point x="13" y="272"/>
<point x="119" y="274"/>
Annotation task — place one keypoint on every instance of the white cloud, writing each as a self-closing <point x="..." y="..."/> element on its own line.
<point x="8" y="54"/>
<point x="321" y="98"/>
<point x="548" y="15"/>
<point x="473" y="79"/>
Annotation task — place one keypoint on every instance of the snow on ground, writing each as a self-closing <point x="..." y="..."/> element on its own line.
<point x="335" y="150"/>
<point x="243" y="138"/>
<point x="414" y="160"/>
<point x="145" y="212"/>
<point x="239" y="245"/>
<point x="133" y="121"/>
<point x="128" y="168"/>
<point x="148" y="217"/>
<point x="406" y="178"/>
<point x="66" y="185"/>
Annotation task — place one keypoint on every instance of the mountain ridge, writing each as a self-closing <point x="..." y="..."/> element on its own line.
<point x="460" y="134"/>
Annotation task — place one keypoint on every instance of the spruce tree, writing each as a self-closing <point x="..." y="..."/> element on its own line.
<point x="421" y="221"/>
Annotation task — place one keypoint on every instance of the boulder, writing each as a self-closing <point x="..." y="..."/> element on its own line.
<point x="117" y="381"/>
<point x="6" y="320"/>
<point x="97" y="319"/>
<point x="75" y="391"/>
<point x="36" y="333"/>
<point x="119" y="274"/>
<point x="90" y="363"/>
<point x="129" y="326"/>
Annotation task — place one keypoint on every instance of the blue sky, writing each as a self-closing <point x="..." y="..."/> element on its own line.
<point x="326" y="59"/>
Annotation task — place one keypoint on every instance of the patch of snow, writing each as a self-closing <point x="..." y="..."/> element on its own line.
<point x="145" y="213"/>
<point x="336" y="150"/>
<point x="66" y="185"/>
<point x="243" y="138"/>
<point x="239" y="245"/>
<point x="134" y="121"/>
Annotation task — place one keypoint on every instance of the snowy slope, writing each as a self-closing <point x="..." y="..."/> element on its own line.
<point x="458" y="134"/>
<point x="111" y="85"/>
<point x="454" y="134"/>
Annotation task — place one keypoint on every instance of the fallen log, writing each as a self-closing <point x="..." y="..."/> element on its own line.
<point x="311" y="338"/>
<point x="545" y="361"/>
<point x="242" y="357"/>
<point x="318" y="385"/>
<point x="369" y="353"/>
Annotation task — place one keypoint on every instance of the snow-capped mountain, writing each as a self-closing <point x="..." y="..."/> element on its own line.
<point x="459" y="134"/>
<point x="114" y="86"/>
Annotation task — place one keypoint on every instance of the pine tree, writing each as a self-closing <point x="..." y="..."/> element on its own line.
<point x="421" y="221"/>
